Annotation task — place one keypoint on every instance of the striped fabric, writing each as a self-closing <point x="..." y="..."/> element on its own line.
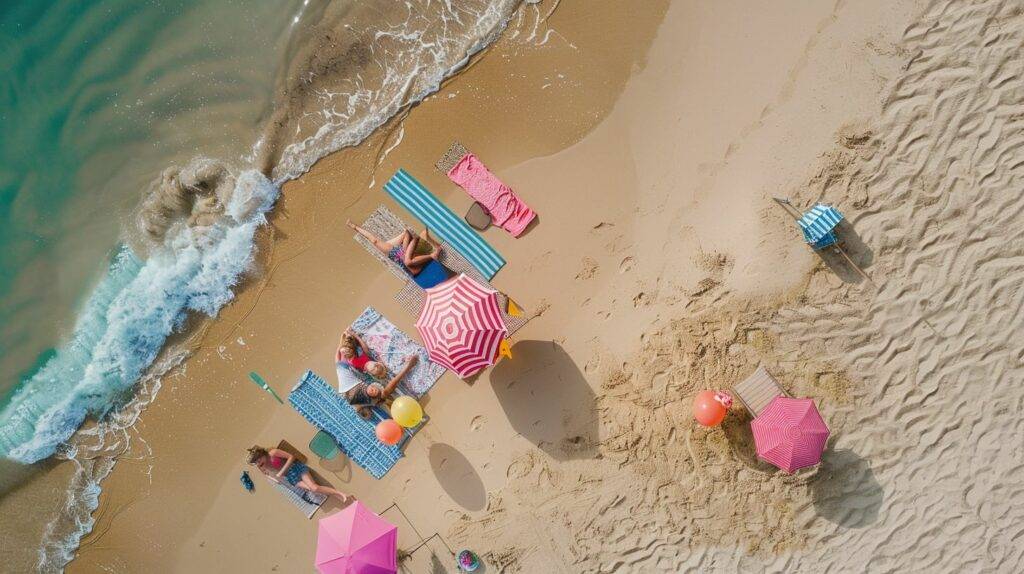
<point x="461" y="325"/>
<point x="790" y="433"/>
<point x="307" y="502"/>
<point x="444" y="223"/>
<point x="758" y="390"/>
<point x="818" y="224"/>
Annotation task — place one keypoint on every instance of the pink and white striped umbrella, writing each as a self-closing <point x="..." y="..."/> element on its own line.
<point x="790" y="433"/>
<point x="461" y="325"/>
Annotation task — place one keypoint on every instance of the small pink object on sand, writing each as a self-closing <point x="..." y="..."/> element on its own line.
<point x="724" y="398"/>
<point x="507" y="210"/>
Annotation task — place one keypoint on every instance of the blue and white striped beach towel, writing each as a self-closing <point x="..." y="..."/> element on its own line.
<point x="440" y="220"/>
<point x="327" y="410"/>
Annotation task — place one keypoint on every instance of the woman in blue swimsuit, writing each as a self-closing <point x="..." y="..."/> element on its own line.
<point x="402" y="249"/>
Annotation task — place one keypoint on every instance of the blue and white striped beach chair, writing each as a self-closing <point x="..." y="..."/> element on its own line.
<point x="818" y="225"/>
<point x="442" y="221"/>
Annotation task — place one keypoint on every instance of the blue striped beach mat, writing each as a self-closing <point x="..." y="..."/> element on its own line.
<point x="436" y="216"/>
<point x="307" y="502"/>
<point x="328" y="410"/>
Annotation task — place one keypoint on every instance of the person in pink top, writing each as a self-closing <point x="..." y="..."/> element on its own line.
<point x="281" y="466"/>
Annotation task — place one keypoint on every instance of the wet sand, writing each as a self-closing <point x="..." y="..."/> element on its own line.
<point x="660" y="267"/>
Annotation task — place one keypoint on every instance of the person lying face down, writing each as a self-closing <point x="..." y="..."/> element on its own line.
<point x="353" y="352"/>
<point x="281" y="466"/>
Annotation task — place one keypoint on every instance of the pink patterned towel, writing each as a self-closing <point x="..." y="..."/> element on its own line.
<point x="507" y="210"/>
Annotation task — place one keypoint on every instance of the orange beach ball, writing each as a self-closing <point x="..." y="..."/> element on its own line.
<point x="708" y="411"/>
<point x="388" y="432"/>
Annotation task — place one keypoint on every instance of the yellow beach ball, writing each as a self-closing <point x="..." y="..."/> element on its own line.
<point x="406" y="411"/>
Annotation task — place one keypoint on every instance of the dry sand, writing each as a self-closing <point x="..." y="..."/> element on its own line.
<point x="650" y="139"/>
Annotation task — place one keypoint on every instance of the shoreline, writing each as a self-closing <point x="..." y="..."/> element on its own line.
<point x="660" y="267"/>
<point x="315" y="193"/>
<point x="278" y="256"/>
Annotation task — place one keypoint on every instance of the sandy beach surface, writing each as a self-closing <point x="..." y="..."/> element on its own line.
<point x="650" y="137"/>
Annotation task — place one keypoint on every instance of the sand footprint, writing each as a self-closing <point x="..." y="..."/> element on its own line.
<point x="590" y="268"/>
<point x="520" y="467"/>
<point x="477" y="423"/>
<point x="626" y="265"/>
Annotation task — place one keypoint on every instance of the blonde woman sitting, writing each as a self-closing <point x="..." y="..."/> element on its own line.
<point x="354" y="353"/>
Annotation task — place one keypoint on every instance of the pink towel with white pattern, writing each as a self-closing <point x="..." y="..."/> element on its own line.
<point x="507" y="210"/>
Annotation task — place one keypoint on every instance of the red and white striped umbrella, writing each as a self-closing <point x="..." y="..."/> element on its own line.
<point x="790" y="433"/>
<point x="461" y="325"/>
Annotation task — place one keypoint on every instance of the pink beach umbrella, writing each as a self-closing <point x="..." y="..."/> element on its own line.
<point x="356" y="541"/>
<point x="790" y="433"/>
<point x="461" y="325"/>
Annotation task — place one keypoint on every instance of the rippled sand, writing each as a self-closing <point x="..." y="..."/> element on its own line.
<point x="662" y="267"/>
<point x="918" y="377"/>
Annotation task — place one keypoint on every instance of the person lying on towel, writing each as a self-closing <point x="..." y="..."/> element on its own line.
<point x="402" y="248"/>
<point x="353" y="353"/>
<point x="281" y="466"/>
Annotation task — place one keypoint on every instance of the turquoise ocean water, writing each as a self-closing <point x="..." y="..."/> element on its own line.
<point x="97" y="100"/>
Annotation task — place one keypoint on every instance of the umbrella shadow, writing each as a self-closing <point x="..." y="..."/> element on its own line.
<point x="736" y="427"/>
<point x="845" y="490"/>
<point x="457" y="476"/>
<point x="547" y="400"/>
<point x="854" y="247"/>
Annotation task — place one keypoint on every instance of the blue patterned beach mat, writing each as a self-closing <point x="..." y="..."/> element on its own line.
<point x="391" y="346"/>
<point x="440" y="220"/>
<point x="328" y="410"/>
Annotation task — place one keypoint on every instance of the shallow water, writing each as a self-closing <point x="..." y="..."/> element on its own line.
<point x="97" y="98"/>
<point x="139" y="139"/>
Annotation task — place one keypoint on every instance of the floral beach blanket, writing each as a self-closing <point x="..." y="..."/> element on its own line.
<point x="389" y="345"/>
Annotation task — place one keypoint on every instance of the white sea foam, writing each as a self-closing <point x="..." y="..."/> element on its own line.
<point x="416" y="56"/>
<point x="94" y="451"/>
<point x="107" y="372"/>
<point x="127" y="320"/>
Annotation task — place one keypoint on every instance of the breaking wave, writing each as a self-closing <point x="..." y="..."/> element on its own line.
<point x="200" y="244"/>
<point x="354" y="67"/>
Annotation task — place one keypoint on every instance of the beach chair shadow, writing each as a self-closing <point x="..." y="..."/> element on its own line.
<point x="332" y="504"/>
<point x="547" y="400"/>
<point x="845" y="490"/>
<point x="737" y="431"/>
<point x="457" y="476"/>
<point x="340" y="466"/>
<point x="855" y="249"/>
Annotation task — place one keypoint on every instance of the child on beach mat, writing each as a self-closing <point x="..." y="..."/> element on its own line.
<point x="402" y="248"/>
<point x="280" y="465"/>
<point x="354" y="352"/>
